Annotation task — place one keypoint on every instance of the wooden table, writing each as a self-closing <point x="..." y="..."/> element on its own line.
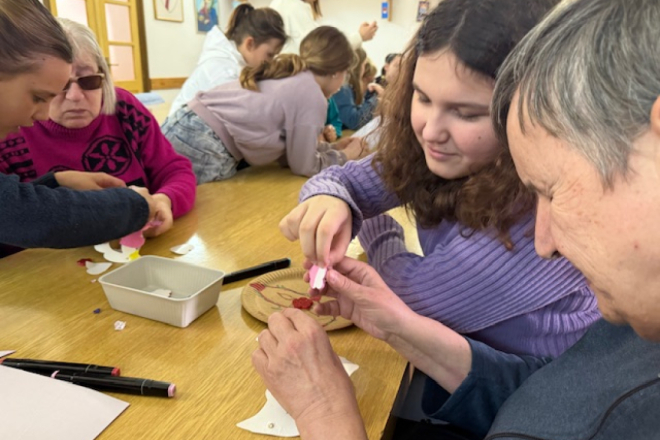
<point x="47" y="303"/>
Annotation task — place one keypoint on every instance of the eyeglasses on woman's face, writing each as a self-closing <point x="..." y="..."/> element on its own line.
<point x="87" y="82"/>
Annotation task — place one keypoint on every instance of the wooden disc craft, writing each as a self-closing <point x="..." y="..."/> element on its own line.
<point x="275" y="291"/>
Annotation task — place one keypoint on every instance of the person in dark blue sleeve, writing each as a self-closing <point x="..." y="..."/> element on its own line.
<point x="35" y="64"/>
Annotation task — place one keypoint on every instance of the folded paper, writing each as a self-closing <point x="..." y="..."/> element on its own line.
<point x="317" y="277"/>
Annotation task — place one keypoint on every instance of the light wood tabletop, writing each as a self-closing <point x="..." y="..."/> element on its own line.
<point x="47" y="304"/>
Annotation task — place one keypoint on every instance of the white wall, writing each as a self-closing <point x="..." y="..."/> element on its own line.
<point x="173" y="48"/>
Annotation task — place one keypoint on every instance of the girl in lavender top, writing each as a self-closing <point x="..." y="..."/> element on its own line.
<point x="479" y="274"/>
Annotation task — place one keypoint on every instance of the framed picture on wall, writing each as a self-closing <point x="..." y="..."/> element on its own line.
<point x="207" y="14"/>
<point x="422" y="10"/>
<point x="168" y="10"/>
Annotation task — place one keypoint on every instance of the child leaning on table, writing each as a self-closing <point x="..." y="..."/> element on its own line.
<point x="252" y="37"/>
<point x="274" y="112"/>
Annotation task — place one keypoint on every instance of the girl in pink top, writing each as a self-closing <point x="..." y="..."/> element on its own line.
<point x="96" y="127"/>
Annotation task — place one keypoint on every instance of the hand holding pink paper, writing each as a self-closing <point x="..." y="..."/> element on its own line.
<point x="136" y="239"/>
<point x="164" y="216"/>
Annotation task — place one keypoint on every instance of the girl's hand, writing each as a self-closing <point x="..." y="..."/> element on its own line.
<point x="362" y="297"/>
<point x="329" y="133"/>
<point x="323" y="224"/>
<point x="373" y="87"/>
<point x="85" y="181"/>
<point x="163" y="215"/>
<point x="342" y="143"/>
<point x="368" y="30"/>
<point x="356" y="149"/>
<point x="149" y="199"/>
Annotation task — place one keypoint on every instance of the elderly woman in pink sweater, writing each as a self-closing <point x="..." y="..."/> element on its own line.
<point x="97" y="128"/>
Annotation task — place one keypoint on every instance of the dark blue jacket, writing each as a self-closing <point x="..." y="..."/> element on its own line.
<point x="39" y="214"/>
<point x="605" y="387"/>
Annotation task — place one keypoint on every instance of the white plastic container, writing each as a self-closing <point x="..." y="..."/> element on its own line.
<point x="194" y="289"/>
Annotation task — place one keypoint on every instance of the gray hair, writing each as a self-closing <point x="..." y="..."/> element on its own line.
<point x="84" y="43"/>
<point x="589" y="74"/>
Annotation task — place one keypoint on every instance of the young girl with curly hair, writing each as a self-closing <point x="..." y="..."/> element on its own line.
<point x="479" y="273"/>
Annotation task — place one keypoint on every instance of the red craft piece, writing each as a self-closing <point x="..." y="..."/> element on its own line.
<point x="82" y="261"/>
<point x="302" y="303"/>
<point x="258" y="286"/>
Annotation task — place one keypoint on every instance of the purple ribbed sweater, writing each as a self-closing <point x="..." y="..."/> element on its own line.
<point x="513" y="301"/>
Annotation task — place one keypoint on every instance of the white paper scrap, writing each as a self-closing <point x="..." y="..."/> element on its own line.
<point x="318" y="274"/>
<point x="182" y="249"/>
<point x="114" y="255"/>
<point x="272" y="419"/>
<point x="96" y="268"/>
<point x="162" y="292"/>
<point x="4" y="353"/>
<point x="120" y="325"/>
<point x="38" y="407"/>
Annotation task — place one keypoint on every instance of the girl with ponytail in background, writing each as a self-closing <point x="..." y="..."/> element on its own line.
<point x="274" y="112"/>
<point x="253" y="36"/>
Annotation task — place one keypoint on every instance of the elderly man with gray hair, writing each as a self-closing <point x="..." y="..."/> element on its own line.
<point x="577" y="103"/>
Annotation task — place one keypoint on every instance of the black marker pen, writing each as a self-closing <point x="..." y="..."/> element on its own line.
<point x="128" y="385"/>
<point x="47" y="368"/>
<point x="255" y="271"/>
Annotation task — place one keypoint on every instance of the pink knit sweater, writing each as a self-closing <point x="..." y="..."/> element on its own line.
<point x="128" y="145"/>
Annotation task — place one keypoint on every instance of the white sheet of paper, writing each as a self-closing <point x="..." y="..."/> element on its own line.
<point x="273" y="420"/>
<point x="37" y="407"/>
<point x="370" y="133"/>
<point x="4" y="353"/>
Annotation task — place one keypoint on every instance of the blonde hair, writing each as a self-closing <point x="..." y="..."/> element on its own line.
<point x="324" y="51"/>
<point x="355" y="77"/>
<point x="84" y="43"/>
<point x="370" y="71"/>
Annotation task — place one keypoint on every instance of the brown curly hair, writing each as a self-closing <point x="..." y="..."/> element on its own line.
<point x="480" y="33"/>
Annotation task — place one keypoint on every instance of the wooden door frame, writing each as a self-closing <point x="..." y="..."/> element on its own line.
<point x="141" y="34"/>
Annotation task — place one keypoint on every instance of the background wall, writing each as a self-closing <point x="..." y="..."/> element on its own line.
<point x="173" y="48"/>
